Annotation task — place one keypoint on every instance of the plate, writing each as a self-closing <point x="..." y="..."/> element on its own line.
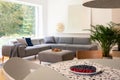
<point x="85" y="70"/>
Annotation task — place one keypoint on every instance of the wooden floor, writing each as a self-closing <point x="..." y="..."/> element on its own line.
<point x="2" y="76"/>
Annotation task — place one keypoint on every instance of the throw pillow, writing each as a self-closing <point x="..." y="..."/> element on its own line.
<point x="49" y="39"/>
<point x="29" y="42"/>
<point x="22" y="41"/>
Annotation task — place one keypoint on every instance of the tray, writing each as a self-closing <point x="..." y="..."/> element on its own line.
<point x="80" y="69"/>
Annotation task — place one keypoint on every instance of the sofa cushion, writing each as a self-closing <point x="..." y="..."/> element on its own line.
<point x="49" y="39"/>
<point x="29" y="42"/>
<point x="78" y="40"/>
<point x="67" y="40"/>
<point x="36" y="41"/>
<point x="22" y="41"/>
<point x="56" y="39"/>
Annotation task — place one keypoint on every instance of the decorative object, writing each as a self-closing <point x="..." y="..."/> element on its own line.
<point x="84" y="69"/>
<point x="106" y="36"/>
<point x="56" y="50"/>
<point x="103" y="4"/>
<point x="60" y="27"/>
<point x="22" y="41"/>
<point x="29" y="42"/>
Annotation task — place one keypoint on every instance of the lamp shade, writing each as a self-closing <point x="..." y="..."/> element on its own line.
<point x="102" y="4"/>
<point x="60" y="27"/>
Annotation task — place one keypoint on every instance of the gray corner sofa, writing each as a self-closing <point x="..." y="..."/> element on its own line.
<point x="66" y="43"/>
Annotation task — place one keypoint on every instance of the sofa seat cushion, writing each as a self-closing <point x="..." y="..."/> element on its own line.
<point x="43" y="46"/>
<point x="31" y="50"/>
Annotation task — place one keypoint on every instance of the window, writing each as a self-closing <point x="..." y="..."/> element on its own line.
<point x="18" y="20"/>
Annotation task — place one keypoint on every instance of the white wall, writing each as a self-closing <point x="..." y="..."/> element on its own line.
<point x="79" y="18"/>
<point x="74" y="16"/>
<point x="116" y="15"/>
<point x="101" y="16"/>
<point x="70" y="13"/>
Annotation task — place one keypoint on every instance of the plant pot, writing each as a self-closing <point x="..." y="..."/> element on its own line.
<point x="115" y="54"/>
<point x="107" y="57"/>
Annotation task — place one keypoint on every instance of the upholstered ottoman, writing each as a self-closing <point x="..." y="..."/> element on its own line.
<point x="51" y="56"/>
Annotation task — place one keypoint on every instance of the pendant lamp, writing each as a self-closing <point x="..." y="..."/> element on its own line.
<point x="102" y="4"/>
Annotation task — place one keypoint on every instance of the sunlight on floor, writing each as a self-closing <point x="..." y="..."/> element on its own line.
<point x="2" y="76"/>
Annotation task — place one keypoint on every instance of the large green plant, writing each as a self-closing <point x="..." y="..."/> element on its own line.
<point x="106" y="36"/>
<point x="16" y="19"/>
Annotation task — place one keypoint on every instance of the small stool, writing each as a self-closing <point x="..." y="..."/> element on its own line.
<point x="51" y="56"/>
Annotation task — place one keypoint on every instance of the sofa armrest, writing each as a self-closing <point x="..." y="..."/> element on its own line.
<point x="21" y="50"/>
<point x="6" y="50"/>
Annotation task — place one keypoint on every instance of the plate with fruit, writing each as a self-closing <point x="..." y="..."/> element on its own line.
<point x="84" y="69"/>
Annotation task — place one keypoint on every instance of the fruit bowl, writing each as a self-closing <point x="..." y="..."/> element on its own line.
<point x="56" y="50"/>
<point x="84" y="69"/>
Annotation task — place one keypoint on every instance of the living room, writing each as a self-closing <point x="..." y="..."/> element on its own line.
<point x="69" y="14"/>
<point x="66" y="18"/>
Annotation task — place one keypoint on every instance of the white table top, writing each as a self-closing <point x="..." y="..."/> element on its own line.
<point x="113" y="63"/>
<point x="110" y="68"/>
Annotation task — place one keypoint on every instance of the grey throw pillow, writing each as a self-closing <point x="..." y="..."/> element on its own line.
<point x="49" y="39"/>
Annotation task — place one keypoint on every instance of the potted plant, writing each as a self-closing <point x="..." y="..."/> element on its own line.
<point x="117" y="27"/>
<point x="106" y="37"/>
<point x="116" y="51"/>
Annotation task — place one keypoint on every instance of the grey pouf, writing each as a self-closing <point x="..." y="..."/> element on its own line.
<point x="51" y="56"/>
